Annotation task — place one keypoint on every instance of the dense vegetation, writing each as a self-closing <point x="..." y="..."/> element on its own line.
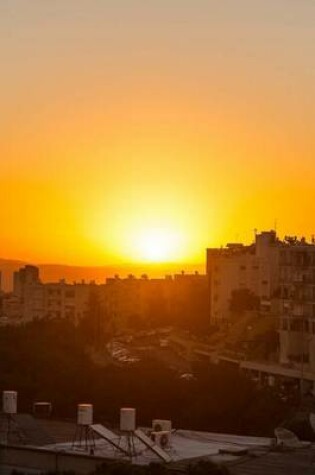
<point x="48" y="360"/>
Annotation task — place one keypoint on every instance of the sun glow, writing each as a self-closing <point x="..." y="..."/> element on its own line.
<point x="158" y="245"/>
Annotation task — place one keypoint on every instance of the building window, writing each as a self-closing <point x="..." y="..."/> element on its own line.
<point x="305" y="358"/>
<point x="282" y="257"/>
<point x="296" y="325"/>
<point x="69" y="294"/>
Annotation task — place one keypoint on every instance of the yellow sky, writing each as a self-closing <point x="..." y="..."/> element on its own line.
<point x="127" y="125"/>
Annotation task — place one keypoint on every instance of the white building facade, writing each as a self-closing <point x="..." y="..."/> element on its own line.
<point x="235" y="267"/>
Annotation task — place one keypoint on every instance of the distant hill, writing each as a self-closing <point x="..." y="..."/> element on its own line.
<point x="55" y="272"/>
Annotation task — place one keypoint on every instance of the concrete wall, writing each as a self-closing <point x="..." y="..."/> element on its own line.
<point x="29" y="458"/>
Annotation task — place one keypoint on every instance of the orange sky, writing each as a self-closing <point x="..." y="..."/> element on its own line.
<point x="128" y="122"/>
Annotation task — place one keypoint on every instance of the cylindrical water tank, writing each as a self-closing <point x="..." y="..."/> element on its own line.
<point x="9" y="402"/>
<point x="85" y="414"/>
<point x="127" y="419"/>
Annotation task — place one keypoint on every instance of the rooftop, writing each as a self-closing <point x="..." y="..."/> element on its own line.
<point x="243" y="455"/>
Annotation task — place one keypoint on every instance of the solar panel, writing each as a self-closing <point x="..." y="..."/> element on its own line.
<point x="152" y="446"/>
<point x="108" y="435"/>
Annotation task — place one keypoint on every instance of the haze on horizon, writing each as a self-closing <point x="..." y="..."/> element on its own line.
<point x="145" y="131"/>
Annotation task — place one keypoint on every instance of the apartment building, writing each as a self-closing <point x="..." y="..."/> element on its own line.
<point x="253" y="267"/>
<point x="132" y="302"/>
<point x="122" y="302"/>
<point x="33" y="299"/>
<point x="297" y="303"/>
<point x="190" y="300"/>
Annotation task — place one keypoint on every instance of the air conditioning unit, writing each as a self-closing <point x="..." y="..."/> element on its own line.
<point x="159" y="425"/>
<point x="161" y="438"/>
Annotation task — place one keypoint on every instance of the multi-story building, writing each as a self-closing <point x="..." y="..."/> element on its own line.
<point x="11" y="308"/>
<point x="190" y="300"/>
<point x="71" y="301"/>
<point x="181" y="299"/>
<point x="122" y="302"/>
<point x="23" y="278"/>
<point x="237" y="266"/>
<point x="33" y="299"/>
<point x="281" y="274"/>
<point x="297" y="303"/>
<point x="134" y="302"/>
<point x="26" y="301"/>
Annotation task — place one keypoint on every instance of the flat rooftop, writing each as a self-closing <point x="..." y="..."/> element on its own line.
<point x="243" y="455"/>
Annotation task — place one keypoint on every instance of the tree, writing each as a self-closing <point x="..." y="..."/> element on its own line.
<point x="243" y="300"/>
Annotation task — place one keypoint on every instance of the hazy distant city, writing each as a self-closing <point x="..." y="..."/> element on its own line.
<point x="263" y="291"/>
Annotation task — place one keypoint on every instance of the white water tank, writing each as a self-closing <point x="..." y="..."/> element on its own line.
<point x="159" y="425"/>
<point x="127" y="419"/>
<point x="85" y="414"/>
<point x="9" y="402"/>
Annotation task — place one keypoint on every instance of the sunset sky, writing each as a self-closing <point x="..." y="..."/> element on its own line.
<point x="139" y="130"/>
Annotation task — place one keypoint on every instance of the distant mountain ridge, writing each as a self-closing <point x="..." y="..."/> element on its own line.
<point x="55" y="272"/>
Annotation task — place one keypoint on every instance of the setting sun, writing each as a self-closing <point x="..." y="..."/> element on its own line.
<point x="158" y="245"/>
<point x="120" y="144"/>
